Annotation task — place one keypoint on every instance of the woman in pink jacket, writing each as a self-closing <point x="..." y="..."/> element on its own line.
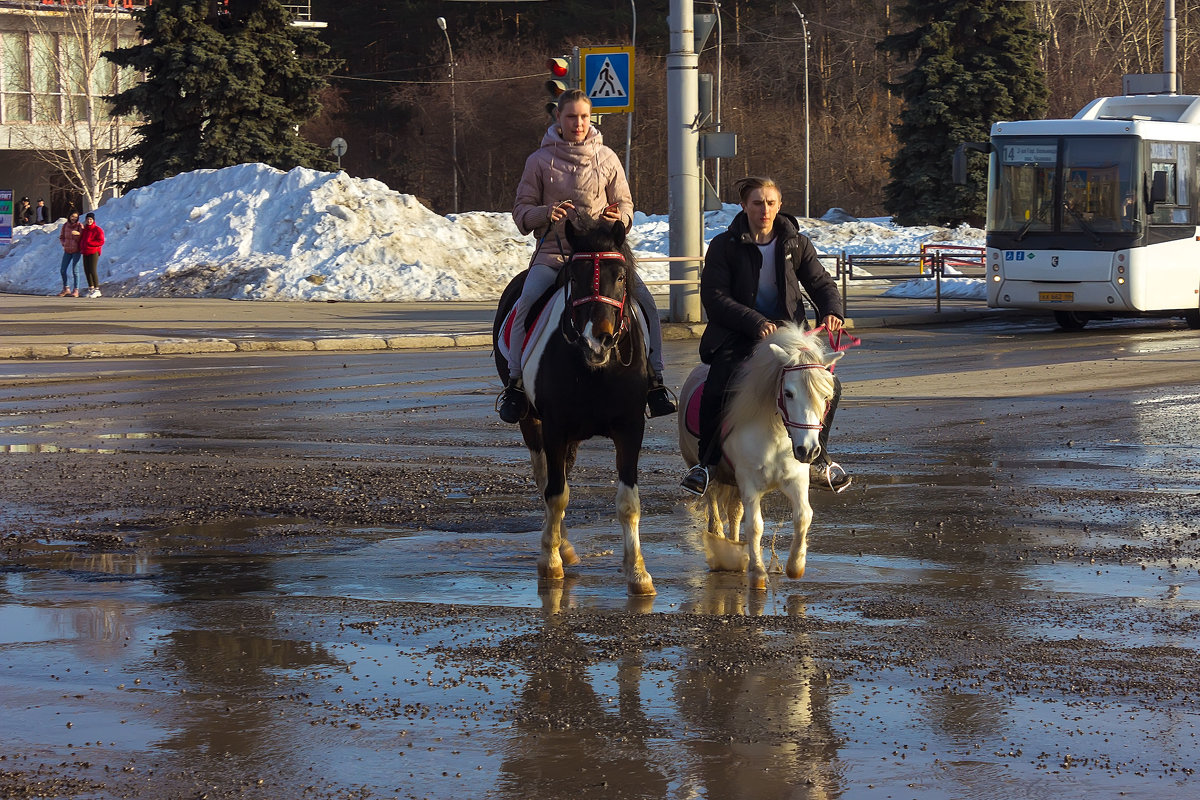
<point x="69" y="237"/>
<point x="90" y="244"/>
<point x="572" y="173"/>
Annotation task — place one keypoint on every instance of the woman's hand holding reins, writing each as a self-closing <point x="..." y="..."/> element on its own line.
<point x="559" y="210"/>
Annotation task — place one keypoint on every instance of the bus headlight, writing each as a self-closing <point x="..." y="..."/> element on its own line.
<point x="995" y="279"/>
<point x="1120" y="281"/>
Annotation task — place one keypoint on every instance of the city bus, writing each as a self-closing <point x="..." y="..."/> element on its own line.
<point x="1097" y="216"/>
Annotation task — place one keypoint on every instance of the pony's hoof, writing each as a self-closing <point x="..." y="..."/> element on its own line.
<point x="547" y="572"/>
<point x="642" y="586"/>
<point x="757" y="583"/>
<point x="795" y="571"/>
<point x="567" y="553"/>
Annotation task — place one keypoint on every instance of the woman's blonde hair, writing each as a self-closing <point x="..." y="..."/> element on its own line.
<point x="747" y="185"/>
<point x="573" y="96"/>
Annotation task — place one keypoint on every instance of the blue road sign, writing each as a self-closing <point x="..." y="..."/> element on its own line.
<point x="608" y="78"/>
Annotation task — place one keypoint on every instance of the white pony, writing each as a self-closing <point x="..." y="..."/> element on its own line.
<point x="771" y="435"/>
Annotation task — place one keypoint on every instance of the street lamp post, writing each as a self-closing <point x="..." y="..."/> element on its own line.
<point x="807" y="138"/>
<point x="441" y="23"/>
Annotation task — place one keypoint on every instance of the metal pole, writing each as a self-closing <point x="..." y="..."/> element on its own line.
<point x="683" y="161"/>
<point x="1169" y="65"/>
<point x="629" y="116"/>
<point x="807" y="137"/>
<point x="441" y="21"/>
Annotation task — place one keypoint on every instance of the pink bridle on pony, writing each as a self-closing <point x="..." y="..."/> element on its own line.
<point x="783" y="412"/>
<point x="836" y="345"/>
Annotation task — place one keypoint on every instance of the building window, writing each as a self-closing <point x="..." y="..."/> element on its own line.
<point x="14" y="63"/>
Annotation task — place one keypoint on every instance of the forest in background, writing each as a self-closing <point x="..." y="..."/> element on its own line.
<point x="391" y="101"/>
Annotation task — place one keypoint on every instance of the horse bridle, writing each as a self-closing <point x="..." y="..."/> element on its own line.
<point x="596" y="296"/>
<point x="787" y="422"/>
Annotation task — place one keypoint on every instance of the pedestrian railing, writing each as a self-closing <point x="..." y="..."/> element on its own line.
<point x="932" y="262"/>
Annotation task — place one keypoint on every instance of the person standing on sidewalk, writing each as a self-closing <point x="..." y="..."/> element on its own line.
<point x="752" y="278"/>
<point x="572" y="172"/>
<point x="91" y="241"/>
<point x="70" y="237"/>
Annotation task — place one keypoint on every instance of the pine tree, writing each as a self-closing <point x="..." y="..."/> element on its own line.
<point x="974" y="63"/>
<point x="216" y="95"/>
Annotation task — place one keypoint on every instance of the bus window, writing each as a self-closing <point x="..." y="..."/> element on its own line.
<point x="1097" y="184"/>
<point x="1174" y="161"/>
<point x="1026" y="174"/>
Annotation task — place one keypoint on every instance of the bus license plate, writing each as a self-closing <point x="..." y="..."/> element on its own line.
<point x="1056" y="297"/>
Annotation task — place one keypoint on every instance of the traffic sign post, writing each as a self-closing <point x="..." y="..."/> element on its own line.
<point x="607" y="74"/>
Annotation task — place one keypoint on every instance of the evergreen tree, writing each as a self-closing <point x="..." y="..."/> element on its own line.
<point x="221" y="93"/>
<point x="974" y="63"/>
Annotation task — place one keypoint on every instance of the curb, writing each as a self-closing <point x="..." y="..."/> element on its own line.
<point x="175" y="347"/>
<point x="672" y="331"/>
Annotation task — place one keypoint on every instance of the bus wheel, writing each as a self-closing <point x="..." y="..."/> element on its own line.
<point x="1070" y="321"/>
<point x="1193" y="318"/>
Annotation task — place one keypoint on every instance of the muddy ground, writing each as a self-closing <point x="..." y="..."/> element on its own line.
<point x="286" y="577"/>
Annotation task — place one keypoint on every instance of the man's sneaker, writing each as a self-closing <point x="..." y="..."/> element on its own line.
<point x="658" y="400"/>
<point x="696" y="481"/>
<point x="512" y="404"/>
<point x="834" y="478"/>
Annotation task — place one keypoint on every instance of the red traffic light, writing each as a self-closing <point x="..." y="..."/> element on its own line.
<point x="559" y="67"/>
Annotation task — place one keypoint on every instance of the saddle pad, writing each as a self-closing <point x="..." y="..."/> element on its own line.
<point x="689" y="396"/>
<point x="533" y="330"/>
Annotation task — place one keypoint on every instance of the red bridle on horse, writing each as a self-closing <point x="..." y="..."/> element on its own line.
<point x="596" y="296"/>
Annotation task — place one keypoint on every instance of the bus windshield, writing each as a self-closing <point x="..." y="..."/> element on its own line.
<point x="1063" y="185"/>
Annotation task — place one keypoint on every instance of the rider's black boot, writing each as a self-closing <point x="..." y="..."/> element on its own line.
<point x="513" y="404"/>
<point x="658" y="399"/>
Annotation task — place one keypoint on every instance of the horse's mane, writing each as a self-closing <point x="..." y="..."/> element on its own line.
<point x="755" y="385"/>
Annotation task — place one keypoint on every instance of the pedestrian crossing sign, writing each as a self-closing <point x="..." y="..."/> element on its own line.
<point x="608" y="78"/>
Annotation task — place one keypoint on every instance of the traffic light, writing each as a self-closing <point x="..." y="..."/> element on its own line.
<point x="564" y="75"/>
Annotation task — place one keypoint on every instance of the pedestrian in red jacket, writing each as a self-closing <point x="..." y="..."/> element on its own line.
<point x="90" y="244"/>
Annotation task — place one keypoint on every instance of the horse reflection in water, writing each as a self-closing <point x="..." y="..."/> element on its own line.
<point x="586" y="372"/>
<point x="619" y="704"/>
<point x="771" y="435"/>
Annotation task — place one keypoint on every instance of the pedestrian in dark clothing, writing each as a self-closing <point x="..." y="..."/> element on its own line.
<point x="41" y="214"/>
<point x="24" y="212"/>
<point x="753" y="274"/>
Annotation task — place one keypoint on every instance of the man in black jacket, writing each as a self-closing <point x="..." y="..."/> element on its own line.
<point x="743" y="300"/>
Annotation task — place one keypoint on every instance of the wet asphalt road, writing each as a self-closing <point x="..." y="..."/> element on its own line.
<point x="285" y="576"/>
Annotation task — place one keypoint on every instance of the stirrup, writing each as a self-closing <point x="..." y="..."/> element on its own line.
<point x="696" y="480"/>
<point x="512" y="404"/>
<point x="836" y="478"/>
<point x="660" y="401"/>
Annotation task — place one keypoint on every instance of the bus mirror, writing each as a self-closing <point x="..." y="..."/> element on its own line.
<point x="1158" y="189"/>
<point x="958" y="167"/>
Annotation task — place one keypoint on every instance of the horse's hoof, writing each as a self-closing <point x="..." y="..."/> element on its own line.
<point x="548" y="573"/>
<point x="642" y="586"/>
<point x="795" y="571"/>
<point x="758" y="583"/>
<point x="567" y="553"/>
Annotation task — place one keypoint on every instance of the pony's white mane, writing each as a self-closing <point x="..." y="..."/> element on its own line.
<point x="755" y="384"/>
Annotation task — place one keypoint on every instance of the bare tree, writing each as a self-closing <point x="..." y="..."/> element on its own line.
<point x="73" y="131"/>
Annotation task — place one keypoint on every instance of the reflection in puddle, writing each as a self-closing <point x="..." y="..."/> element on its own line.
<point x="432" y="661"/>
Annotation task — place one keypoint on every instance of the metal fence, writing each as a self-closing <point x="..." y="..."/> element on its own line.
<point x="933" y="262"/>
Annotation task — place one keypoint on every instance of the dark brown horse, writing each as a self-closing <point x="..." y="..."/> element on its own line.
<point x="586" y="374"/>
